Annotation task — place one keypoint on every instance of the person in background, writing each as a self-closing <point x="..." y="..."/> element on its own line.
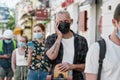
<point x="66" y="48"/>
<point x="7" y="45"/>
<point x="111" y="64"/>
<point x="38" y="65"/>
<point x="19" y="63"/>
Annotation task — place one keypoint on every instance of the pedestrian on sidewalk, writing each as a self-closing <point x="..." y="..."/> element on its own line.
<point x="38" y="65"/>
<point x="111" y="64"/>
<point x="66" y="47"/>
<point x="7" y="45"/>
<point x="19" y="62"/>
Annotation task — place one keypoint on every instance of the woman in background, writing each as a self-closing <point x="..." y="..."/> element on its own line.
<point x="38" y="65"/>
<point x="19" y="63"/>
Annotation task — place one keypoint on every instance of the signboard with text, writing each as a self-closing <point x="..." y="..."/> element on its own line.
<point x="67" y="3"/>
<point x="41" y="14"/>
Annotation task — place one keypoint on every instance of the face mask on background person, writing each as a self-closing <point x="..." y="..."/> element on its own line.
<point x="38" y="35"/>
<point x="64" y="27"/>
<point x="21" y="44"/>
<point x="118" y="33"/>
<point x="7" y="41"/>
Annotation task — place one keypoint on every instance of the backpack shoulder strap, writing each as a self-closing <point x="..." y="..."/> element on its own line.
<point x="102" y="53"/>
<point x="1" y="45"/>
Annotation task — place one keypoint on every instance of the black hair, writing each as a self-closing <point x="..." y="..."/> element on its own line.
<point x="117" y="13"/>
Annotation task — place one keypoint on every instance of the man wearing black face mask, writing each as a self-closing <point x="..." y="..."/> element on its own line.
<point x="7" y="45"/>
<point x="64" y="27"/>
<point x="66" y="48"/>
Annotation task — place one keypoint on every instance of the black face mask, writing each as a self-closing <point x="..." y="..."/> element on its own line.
<point x="64" y="27"/>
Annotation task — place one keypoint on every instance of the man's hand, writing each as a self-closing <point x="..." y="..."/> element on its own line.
<point x="65" y="67"/>
<point x="6" y="56"/>
<point x="59" y="34"/>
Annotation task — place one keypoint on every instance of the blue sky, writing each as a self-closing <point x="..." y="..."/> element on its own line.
<point x="10" y="3"/>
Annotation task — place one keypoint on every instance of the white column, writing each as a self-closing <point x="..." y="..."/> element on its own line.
<point x="74" y="9"/>
<point x="90" y="34"/>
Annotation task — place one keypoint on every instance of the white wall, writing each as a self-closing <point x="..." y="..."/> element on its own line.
<point x="91" y="23"/>
<point x="108" y="15"/>
<point x="90" y="34"/>
<point x="73" y="10"/>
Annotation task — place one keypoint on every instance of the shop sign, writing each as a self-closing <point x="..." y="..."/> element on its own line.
<point x="41" y="14"/>
<point x="67" y="3"/>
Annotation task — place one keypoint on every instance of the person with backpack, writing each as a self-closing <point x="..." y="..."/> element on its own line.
<point x="102" y="62"/>
<point x="7" y="45"/>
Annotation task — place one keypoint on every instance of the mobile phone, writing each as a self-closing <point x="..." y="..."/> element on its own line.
<point x="30" y="44"/>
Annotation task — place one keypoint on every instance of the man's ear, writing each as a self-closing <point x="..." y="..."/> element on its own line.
<point x="114" y="22"/>
<point x="71" y="22"/>
<point x="56" y="22"/>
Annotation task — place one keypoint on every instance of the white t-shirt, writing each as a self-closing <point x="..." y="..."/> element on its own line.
<point x="20" y="59"/>
<point x="68" y="50"/>
<point x="111" y="63"/>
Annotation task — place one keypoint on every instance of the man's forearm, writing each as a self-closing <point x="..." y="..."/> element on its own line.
<point x="52" y="53"/>
<point x="78" y="67"/>
<point x="90" y="76"/>
<point x="1" y="56"/>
